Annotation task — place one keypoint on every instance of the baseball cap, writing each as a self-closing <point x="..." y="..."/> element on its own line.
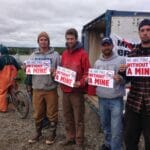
<point x="107" y="40"/>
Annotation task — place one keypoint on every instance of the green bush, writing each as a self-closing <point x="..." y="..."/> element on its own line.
<point x="21" y="75"/>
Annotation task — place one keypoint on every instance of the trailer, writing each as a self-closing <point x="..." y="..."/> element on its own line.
<point x="121" y="23"/>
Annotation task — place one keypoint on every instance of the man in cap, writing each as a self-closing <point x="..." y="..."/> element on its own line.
<point x="137" y="113"/>
<point x="111" y="99"/>
<point x="45" y="97"/>
<point x="8" y="71"/>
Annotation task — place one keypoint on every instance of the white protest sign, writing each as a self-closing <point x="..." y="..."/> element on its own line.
<point x="138" y="66"/>
<point x="103" y="78"/>
<point x="65" y="76"/>
<point x="38" y="67"/>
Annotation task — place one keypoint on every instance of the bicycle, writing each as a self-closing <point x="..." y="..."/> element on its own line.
<point x="19" y="99"/>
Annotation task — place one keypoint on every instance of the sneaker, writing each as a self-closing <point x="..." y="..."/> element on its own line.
<point x="104" y="147"/>
<point x="51" y="139"/>
<point x="35" y="138"/>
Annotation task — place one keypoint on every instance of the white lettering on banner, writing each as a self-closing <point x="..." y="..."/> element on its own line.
<point x="138" y="66"/>
<point x="38" y="67"/>
<point x="103" y="78"/>
<point x="65" y="76"/>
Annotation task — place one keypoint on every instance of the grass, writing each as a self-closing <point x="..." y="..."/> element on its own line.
<point x="21" y="75"/>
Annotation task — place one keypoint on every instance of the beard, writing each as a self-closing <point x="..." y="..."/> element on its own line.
<point x="146" y="41"/>
<point x="107" y="53"/>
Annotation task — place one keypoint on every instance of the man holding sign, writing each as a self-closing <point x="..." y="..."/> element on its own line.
<point x="75" y="60"/>
<point x="110" y="90"/>
<point x="137" y="114"/>
<point x="41" y="65"/>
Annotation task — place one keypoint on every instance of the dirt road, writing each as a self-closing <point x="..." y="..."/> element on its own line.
<point x="15" y="132"/>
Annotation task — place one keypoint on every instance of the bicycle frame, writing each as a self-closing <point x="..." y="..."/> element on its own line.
<point x="19" y="100"/>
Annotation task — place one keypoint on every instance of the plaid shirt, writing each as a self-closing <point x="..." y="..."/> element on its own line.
<point x="139" y="96"/>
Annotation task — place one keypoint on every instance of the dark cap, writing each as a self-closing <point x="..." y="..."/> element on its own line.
<point x="3" y="50"/>
<point x="144" y="22"/>
<point x="107" y="40"/>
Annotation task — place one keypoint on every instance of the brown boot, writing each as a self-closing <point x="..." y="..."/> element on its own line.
<point x="52" y="136"/>
<point x="37" y="135"/>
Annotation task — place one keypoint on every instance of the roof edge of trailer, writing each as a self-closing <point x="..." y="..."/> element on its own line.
<point x="93" y="21"/>
<point x="115" y="13"/>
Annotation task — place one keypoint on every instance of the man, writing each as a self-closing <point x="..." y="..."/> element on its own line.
<point x="45" y="97"/>
<point x="111" y="99"/>
<point x="76" y="59"/>
<point x="137" y="114"/>
<point x="8" y="71"/>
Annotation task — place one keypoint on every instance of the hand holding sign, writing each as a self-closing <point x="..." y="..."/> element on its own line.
<point x="123" y="67"/>
<point x="77" y="84"/>
<point x="65" y="76"/>
<point x="117" y="78"/>
<point x="53" y="72"/>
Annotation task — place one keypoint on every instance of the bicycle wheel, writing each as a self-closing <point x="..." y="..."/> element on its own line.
<point x="21" y="104"/>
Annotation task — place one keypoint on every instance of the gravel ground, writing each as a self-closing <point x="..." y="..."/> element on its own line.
<point x="15" y="132"/>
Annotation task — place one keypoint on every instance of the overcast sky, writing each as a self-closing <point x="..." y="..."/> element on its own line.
<point x="22" y="20"/>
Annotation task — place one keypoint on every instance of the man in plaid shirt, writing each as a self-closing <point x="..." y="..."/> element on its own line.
<point x="137" y="114"/>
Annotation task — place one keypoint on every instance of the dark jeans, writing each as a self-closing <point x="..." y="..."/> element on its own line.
<point x="135" y="124"/>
